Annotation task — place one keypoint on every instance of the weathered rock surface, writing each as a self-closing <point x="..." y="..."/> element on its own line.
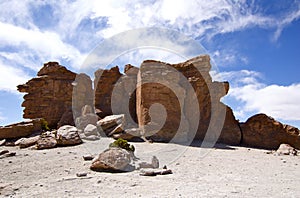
<point x="2" y="142"/>
<point x="49" y="95"/>
<point x="90" y="132"/>
<point x="285" y="149"/>
<point x="113" y="160"/>
<point x="123" y="99"/>
<point x="109" y="123"/>
<point x="46" y="143"/>
<point x="104" y="83"/>
<point x="189" y="97"/>
<point x="27" y="142"/>
<point x="87" y="117"/>
<point x="154" y="164"/>
<point x="68" y="135"/>
<point x="83" y="94"/>
<point x="21" y="129"/>
<point x="262" y="131"/>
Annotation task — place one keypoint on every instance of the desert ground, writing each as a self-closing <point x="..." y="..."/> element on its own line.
<point x="222" y="171"/>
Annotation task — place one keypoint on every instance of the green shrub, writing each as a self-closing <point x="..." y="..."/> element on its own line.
<point x="121" y="143"/>
<point x="44" y="124"/>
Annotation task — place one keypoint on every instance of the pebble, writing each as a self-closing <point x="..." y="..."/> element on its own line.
<point x="88" y="157"/>
<point x="2" y="142"/>
<point x="81" y="174"/>
<point x="3" y="152"/>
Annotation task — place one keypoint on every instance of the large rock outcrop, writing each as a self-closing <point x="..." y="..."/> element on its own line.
<point x="104" y="83"/>
<point x="191" y="103"/>
<point x="177" y="102"/>
<point x="49" y="95"/>
<point x="262" y="131"/>
<point x="21" y="129"/>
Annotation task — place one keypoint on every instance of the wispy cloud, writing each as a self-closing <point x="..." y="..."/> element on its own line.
<point x="281" y="24"/>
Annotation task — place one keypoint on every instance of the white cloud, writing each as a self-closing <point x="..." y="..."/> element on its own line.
<point x="248" y="95"/>
<point x="11" y="77"/>
<point x="46" y="44"/>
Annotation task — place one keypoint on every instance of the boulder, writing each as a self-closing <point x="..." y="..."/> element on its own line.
<point x="21" y="129"/>
<point x="68" y="135"/>
<point x="154" y="163"/>
<point x="285" y="149"/>
<point x="90" y="132"/>
<point x="46" y="143"/>
<point x="109" y="123"/>
<point x="27" y="142"/>
<point x="265" y="132"/>
<point x="114" y="160"/>
<point x="87" y="117"/>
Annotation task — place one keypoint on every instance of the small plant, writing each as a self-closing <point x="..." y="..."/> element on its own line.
<point x="121" y="143"/>
<point x="44" y="124"/>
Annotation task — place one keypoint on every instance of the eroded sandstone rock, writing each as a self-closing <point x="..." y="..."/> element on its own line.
<point x="21" y="129"/>
<point x="104" y="83"/>
<point x="262" y="131"/>
<point x="286" y="149"/>
<point x="68" y="135"/>
<point x="49" y="95"/>
<point x="179" y="102"/>
<point x="113" y="160"/>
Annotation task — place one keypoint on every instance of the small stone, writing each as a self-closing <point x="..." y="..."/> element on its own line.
<point x="165" y="167"/>
<point x="11" y="154"/>
<point x="81" y="174"/>
<point x="2" y="142"/>
<point x="88" y="157"/>
<point x="4" y="152"/>
<point x="166" y="172"/>
<point x="148" y="173"/>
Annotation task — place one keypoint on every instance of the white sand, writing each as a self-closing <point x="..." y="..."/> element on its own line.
<point x="221" y="172"/>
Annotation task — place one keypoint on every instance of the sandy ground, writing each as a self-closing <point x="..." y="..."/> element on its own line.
<point x="197" y="172"/>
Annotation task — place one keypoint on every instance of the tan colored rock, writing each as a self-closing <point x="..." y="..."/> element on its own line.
<point x="286" y="149"/>
<point x="27" y="142"/>
<point x="21" y="129"/>
<point x="109" y="123"/>
<point x="68" y="135"/>
<point x="123" y="98"/>
<point x="87" y="117"/>
<point x="189" y="103"/>
<point x="83" y="94"/>
<point x="262" y="131"/>
<point x="49" y="95"/>
<point x="104" y="84"/>
<point x="113" y="160"/>
<point x="46" y="143"/>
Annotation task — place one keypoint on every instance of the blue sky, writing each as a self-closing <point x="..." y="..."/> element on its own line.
<point x="255" y="45"/>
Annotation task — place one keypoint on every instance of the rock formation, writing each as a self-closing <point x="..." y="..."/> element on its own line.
<point x="160" y="101"/>
<point x="262" y="131"/>
<point x="104" y="83"/>
<point x="49" y="95"/>
<point x="190" y="99"/>
<point x="21" y="129"/>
